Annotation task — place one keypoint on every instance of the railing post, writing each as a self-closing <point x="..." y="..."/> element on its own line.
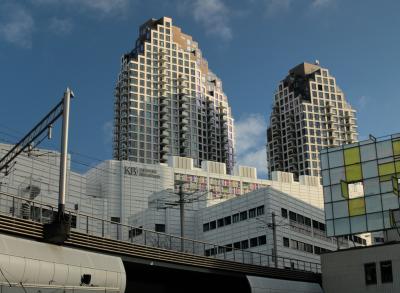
<point x="87" y="224"/>
<point x="170" y="242"/>
<point x="158" y="240"/>
<point x="145" y="238"/>
<point x="102" y="228"/>
<point x="13" y="206"/>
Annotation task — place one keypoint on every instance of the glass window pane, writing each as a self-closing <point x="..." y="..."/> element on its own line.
<point x="352" y="155"/>
<point x="368" y="152"/>
<point x="342" y="226"/>
<point x="375" y="221"/>
<point x="336" y="159"/>
<point x="356" y="206"/>
<point x="340" y="209"/>
<point x="386" y="271"/>
<point x="370" y="169"/>
<point x="396" y="147"/>
<point x="358" y="224"/>
<point x="384" y="149"/>
<point x="370" y="273"/>
<point x="353" y="173"/>
<point x="373" y="204"/>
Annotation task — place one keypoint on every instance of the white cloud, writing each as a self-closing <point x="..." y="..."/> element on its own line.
<point x="250" y="134"/>
<point x="60" y="26"/>
<point x="320" y="3"/>
<point x="102" y="6"/>
<point x="213" y="15"/>
<point x="17" y="25"/>
<point x="277" y="6"/>
<point x="274" y="7"/>
<point x="362" y="102"/>
<point x="108" y="132"/>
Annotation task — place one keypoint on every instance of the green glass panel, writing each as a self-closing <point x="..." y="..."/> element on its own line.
<point x="353" y="173"/>
<point x="395" y="183"/>
<point x="356" y="207"/>
<point x="352" y="156"/>
<point x="345" y="189"/>
<point x="396" y="147"/>
<point x="386" y="170"/>
<point x="397" y="165"/>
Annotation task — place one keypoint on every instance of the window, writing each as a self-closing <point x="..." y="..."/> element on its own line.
<point x="386" y="271"/>
<point x="235" y="218"/>
<point x="220" y="222"/>
<point x="262" y="240"/>
<point x="292" y="216"/>
<point x="206" y="227"/>
<point x="252" y="213"/>
<point x="260" y="210"/>
<point x="253" y="242"/>
<point x="135" y="232"/>
<point x="243" y="216"/>
<point x="284" y="213"/>
<point x="236" y="245"/>
<point x="213" y="225"/>
<point x="244" y="244"/>
<point x="159" y="228"/>
<point x="285" y="242"/>
<point x="227" y="220"/>
<point x="115" y="219"/>
<point x="370" y="273"/>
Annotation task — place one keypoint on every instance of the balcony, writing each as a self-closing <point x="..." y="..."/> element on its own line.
<point x="164" y="141"/>
<point x="164" y="133"/>
<point x="184" y="113"/>
<point x="165" y="118"/>
<point x="184" y="106"/>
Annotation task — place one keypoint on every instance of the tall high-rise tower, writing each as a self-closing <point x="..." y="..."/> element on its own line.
<point x="310" y="112"/>
<point x="168" y="102"/>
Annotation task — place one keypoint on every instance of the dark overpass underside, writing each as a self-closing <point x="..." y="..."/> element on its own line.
<point x="150" y="278"/>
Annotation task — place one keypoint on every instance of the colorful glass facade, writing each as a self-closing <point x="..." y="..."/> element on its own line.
<point x="360" y="182"/>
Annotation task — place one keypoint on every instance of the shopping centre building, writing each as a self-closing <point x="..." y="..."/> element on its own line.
<point x="228" y="210"/>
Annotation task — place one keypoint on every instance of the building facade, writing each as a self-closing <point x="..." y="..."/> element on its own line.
<point x="362" y="269"/>
<point x="168" y="101"/>
<point x="310" y="112"/>
<point x="244" y="222"/>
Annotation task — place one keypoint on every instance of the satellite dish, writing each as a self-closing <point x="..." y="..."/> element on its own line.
<point x="316" y="62"/>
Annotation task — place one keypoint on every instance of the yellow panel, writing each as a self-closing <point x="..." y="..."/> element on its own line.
<point x="395" y="184"/>
<point x="353" y="173"/>
<point x="396" y="147"/>
<point x="345" y="189"/>
<point x="397" y="165"/>
<point x="356" y="207"/>
<point x="352" y="156"/>
<point x="385" y="170"/>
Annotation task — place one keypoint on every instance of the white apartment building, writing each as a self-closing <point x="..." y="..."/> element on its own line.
<point x="168" y="101"/>
<point x="310" y="112"/>
<point x="244" y="222"/>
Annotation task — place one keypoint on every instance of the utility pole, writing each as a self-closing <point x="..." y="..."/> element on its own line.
<point x="64" y="154"/>
<point x="182" y="215"/>
<point x="59" y="229"/>
<point x="275" y="254"/>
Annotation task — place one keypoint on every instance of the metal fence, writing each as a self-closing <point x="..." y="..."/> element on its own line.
<point x="27" y="209"/>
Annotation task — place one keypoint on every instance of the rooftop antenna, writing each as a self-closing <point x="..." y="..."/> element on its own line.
<point x="316" y="62"/>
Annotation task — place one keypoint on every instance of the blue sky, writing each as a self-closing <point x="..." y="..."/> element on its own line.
<point x="46" y="45"/>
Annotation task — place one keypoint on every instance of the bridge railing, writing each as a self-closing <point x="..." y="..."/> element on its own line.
<point x="28" y="209"/>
